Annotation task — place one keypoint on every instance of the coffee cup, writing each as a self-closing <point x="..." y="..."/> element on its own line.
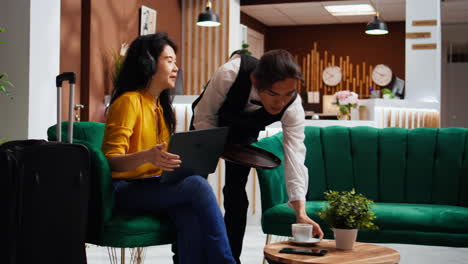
<point x="302" y="232"/>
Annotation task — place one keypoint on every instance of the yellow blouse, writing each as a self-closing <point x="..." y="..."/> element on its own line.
<point x="134" y="123"/>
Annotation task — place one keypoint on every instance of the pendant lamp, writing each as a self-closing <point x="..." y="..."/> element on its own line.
<point x="208" y="18"/>
<point x="376" y="26"/>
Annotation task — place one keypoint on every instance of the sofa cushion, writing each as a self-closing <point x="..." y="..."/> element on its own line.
<point x="422" y="217"/>
<point x="390" y="216"/>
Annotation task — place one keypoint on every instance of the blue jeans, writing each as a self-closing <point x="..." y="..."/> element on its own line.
<point x="192" y="206"/>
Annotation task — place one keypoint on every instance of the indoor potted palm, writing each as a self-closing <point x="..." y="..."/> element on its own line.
<point x="347" y="212"/>
<point x="4" y="82"/>
<point x="4" y="85"/>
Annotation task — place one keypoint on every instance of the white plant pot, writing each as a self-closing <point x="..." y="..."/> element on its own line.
<point x="345" y="238"/>
<point x="386" y="96"/>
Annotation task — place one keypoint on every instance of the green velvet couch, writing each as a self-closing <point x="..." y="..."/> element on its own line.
<point x="418" y="179"/>
<point x="107" y="226"/>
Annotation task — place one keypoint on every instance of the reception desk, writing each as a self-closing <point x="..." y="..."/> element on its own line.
<point x="381" y="113"/>
<point x="402" y="113"/>
<point x="183" y="110"/>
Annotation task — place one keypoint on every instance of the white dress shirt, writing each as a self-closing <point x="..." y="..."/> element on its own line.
<point x="292" y="121"/>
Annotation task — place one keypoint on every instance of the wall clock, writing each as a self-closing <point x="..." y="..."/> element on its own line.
<point x="382" y="75"/>
<point x="332" y="75"/>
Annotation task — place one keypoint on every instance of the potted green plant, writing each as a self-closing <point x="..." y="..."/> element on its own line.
<point x="117" y="61"/>
<point x="387" y="94"/>
<point x="4" y="85"/>
<point x="4" y="82"/>
<point x="245" y="48"/>
<point x="347" y="212"/>
<point x="116" y="64"/>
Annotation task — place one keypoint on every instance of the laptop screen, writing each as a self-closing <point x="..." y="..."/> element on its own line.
<point x="199" y="151"/>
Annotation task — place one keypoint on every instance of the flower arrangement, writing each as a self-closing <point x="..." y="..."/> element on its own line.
<point x="348" y="210"/>
<point x="345" y="100"/>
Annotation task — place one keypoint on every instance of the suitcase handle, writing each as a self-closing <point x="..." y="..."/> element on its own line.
<point x="65" y="76"/>
<point x="71" y="78"/>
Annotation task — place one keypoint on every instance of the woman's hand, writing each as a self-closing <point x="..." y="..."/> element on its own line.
<point x="306" y="220"/>
<point x="164" y="160"/>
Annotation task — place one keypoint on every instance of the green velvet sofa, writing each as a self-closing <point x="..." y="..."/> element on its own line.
<point x="418" y="179"/>
<point x="107" y="226"/>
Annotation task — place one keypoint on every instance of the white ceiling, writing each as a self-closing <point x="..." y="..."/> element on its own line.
<point x="312" y="13"/>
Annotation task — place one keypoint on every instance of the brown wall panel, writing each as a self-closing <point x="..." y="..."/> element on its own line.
<point x="116" y="22"/>
<point x="253" y="23"/>
<point x="105" y="26"/>
<point x="344" y="40"/>
<point x="70" y="47"/>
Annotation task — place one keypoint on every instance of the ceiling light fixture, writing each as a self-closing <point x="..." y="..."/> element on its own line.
<point x="377" y="26"/>
<point x="208" y="18"/>
<point x="350" y="10"/>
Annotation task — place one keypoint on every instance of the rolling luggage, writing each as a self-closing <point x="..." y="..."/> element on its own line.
<point x="45" y="189"/>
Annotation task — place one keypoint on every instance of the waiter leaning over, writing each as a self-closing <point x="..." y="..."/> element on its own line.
<point x="247" y="94"/>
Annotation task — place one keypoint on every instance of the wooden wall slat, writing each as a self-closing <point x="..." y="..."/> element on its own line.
<point x="209" y="54"/>
<point x="356" y="77"/>
<point x="187" y="39"/>
<point x="321" y="81"/>
<point x="304" y="70"/>
<point x="205" y="48"/>
<point x="226" y="28"/>
<point x="221" y="40"/>
<point x="309" y="73"/>
<point x="194" y="45"/>
<point x="200" y="59"/>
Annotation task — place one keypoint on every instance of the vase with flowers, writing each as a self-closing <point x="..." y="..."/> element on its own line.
<point x="345" y="100"/>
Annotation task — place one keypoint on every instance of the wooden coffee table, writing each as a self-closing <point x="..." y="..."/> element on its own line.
<point x="363" y="253"/>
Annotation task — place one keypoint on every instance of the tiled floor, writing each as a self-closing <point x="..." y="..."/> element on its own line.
<point x="255" y="240"/>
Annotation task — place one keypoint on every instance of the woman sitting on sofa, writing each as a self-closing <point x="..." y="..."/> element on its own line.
<point x="139" y="123"/>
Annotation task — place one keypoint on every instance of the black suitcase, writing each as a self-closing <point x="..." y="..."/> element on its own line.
<point x="45" y="189"/>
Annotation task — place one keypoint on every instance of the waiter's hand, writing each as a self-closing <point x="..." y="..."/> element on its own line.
<point x="303" y="218"/>
<point x="316" y="231"/>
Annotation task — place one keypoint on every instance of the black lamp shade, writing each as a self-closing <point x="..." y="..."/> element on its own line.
<point x="208" y="19"/>
<point x="376" y="27"/>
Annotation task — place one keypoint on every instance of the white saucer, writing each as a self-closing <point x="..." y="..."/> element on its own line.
<point x="311" y="241"/>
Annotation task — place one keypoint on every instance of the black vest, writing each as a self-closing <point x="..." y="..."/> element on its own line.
<point x="244" y="126"/>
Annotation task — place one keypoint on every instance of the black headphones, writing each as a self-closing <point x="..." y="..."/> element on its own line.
<point x="146" y="61"/>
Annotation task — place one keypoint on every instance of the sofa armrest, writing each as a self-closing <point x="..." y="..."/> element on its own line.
<point x="271" y="181"/>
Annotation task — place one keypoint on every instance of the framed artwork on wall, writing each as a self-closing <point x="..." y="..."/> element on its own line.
<point x="147" y="20"/>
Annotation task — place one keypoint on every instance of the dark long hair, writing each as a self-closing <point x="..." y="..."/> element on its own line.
<point x="136" y="72"/>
